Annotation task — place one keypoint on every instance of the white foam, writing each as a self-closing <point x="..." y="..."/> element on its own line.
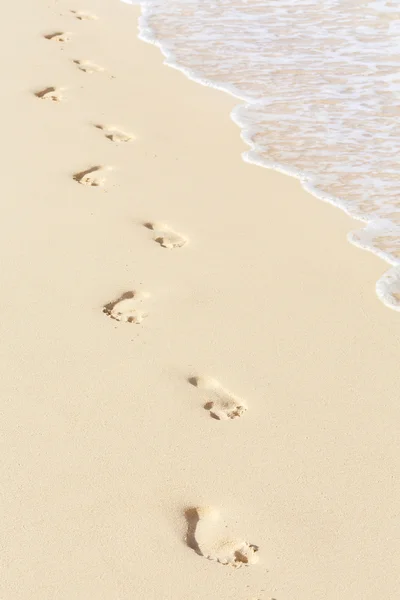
<point x="321" y="86"/>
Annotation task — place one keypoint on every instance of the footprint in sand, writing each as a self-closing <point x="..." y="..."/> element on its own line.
<point x="223" y="405"/>
<point x="165" y="236"/>
<point x="84" y="16"/>
<point x="49" y="93"/>
<point x="125" y="308"/>
<point x="93" y="177"/>
<point x="206" y="537"/>
<point x="115" y="135"/>
<point x="57" y="36"/>
<point x="88" y="66"/>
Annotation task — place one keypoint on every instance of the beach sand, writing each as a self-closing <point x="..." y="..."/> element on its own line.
<point x="106" y="443"/>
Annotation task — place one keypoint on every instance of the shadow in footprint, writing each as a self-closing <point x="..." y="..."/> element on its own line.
<point x="192" y="519"/>
<point x="87" y="66"/>
<point x="87" y="178"/>
<point x="165" y="236"/>
<point x="125" y="309"/>
<point x="208" y="540"/>
<point x="115" y="135"/>
<point x="49" y="93"/>
<point x="82" y="16"/>
<point x="221" y="404"/>
<point x="57" y="36"/>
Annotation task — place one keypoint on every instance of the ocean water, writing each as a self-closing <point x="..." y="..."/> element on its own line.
<point x="320" y="88"/>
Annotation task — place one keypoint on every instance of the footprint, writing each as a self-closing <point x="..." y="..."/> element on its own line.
<point x="49" y="93"/>
<point x="205" y="539"/>
<point x="222" y="404"/>
<point x="125" y="309"/>
<point x="58" y="36"/>
<point x="114" y="134"/>
<point x="90" y="177"/>
<point x="88" y="67"/>
<point x="166" y="237"/>
<point x="84" y="16"/>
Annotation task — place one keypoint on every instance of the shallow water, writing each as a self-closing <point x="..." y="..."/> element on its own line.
<point x="321" y="84"/>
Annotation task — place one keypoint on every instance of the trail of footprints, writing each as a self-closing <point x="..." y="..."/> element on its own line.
<point x="204" y="529"/>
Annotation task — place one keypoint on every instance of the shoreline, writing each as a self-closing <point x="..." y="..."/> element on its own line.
<point x="387" y="279"/>
<point x="106" y="443"/>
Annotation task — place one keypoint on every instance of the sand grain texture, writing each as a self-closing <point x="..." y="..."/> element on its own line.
<point x="104" y="443"/>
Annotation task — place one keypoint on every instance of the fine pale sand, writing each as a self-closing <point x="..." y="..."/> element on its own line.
<point x="194" y="362"/>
